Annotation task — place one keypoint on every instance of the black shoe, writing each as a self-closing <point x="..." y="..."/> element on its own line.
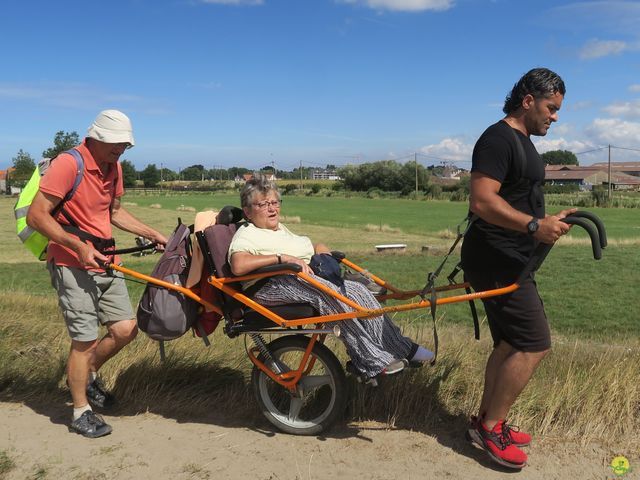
<point x="90" y="425"/>
<point x="98" y="396"/>
<point x="360" y="377"/>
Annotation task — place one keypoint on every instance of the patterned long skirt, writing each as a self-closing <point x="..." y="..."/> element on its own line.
<point x="371" y="343"/>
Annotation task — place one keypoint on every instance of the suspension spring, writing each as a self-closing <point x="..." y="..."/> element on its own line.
<point x="258" y="340"/>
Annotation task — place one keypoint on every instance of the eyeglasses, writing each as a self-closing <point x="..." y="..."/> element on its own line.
<point x="266" y="204"/>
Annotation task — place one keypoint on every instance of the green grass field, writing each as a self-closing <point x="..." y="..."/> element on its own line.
<point x="583" y="297"/>
<point x="590" y="375"/>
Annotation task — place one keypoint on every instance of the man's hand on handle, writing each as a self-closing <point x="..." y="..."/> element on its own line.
<point x="551" y="228"/>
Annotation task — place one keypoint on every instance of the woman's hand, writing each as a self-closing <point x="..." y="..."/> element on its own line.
<point x="291" y="259"/>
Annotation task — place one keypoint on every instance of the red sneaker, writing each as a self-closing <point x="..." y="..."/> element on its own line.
<point x="517" y="437"/>
<point x="498" y="445"/>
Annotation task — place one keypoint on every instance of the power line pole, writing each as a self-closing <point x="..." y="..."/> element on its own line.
<point x="609" y="175"/>
<point x="301" y="175"/>
<point x="415" y="161"/>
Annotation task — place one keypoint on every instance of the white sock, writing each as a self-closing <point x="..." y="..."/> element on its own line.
<point x="92" y="376"/>
<point x="422" y="355"/>
<point x="77" y="412"/>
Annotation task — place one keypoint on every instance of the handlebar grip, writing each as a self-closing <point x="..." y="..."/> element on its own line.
<point x="122" y="251"/>
<point x="602" y="234"/>
<point x="596" y="240"/>
<point x="597" y="235"/>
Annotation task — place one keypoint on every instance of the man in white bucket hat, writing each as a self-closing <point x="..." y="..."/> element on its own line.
<point x="88" y="296"/>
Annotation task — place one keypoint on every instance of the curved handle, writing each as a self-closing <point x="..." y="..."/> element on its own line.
<point x="597" y="234"/>
<point x="596" y="240"/>
<point x="602" y="234"/>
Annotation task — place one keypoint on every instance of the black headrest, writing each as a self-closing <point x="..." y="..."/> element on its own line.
<point x="229" y="215"/>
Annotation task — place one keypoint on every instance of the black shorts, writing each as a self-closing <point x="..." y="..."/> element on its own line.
<point x="518" y="317"/>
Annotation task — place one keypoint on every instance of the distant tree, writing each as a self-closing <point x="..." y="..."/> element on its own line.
<point x="168" y="175"/>
<point x="24" y="166"/>
<point x="193" y="172"/>
<point x="331" y="167"/>
<point x="128" y="174"/>
<point x="61" y="142"/>
<point x="384" y="175"/>
<point x="408" y="177"/>
<point x="237" y="171"/>
<point x="150" y="176"/>
<point x="217" y="174"/>
<point x="559" y="157"/>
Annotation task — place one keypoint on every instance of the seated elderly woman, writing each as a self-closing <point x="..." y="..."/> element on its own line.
<point x="376" y="345"/>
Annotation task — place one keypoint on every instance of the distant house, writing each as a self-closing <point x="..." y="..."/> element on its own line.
<point x="588" y="177"/>
<point x="4" y="176"/>
<point x="451" y="172"/>
<point x="630" y="168"/>
<point x="323" y="174"/>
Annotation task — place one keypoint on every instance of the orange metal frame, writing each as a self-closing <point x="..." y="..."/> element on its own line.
<point x="290" y="379"/>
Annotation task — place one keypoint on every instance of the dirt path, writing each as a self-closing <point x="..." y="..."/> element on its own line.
<point x="149" y="446"/>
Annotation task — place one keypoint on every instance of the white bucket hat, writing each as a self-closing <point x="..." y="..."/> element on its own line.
<point x="112" y="126"/>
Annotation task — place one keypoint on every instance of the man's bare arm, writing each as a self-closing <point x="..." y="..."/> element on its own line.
<point x="39" y="218"/>
<point x="492" y="208"/>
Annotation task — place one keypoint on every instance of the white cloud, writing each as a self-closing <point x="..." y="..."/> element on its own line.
<point x="453" y="149"/>
<point x="602" y="48"/>
<point x="404" y="5"/>
<point x="75" y="96"/>
<point x="624" y="109"/>
<point x="544" y="144"/>
<point x="577" y="106"/>
<point x="235" y="2"/>
<point x="562" y="129"/>
<point x="609" y="16"/>
<point x="634" y="88"/>
<point x="614" y="131"/>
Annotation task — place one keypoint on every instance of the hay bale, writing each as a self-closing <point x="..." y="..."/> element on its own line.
<point x="155" y="205"/>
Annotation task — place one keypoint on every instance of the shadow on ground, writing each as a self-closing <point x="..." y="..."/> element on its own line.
<point x="220" y="395"/>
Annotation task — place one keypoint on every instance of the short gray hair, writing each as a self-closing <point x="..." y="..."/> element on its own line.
<point x="257" y="184"/>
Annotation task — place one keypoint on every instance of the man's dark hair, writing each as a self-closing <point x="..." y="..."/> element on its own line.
<point x="539" y="82"/>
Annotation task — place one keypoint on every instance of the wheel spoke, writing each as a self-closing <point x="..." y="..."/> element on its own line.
<point x="314" y="381"/>
<point x="294" y="408"/>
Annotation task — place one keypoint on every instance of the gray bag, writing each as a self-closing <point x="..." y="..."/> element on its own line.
<point x="165" y="314"/>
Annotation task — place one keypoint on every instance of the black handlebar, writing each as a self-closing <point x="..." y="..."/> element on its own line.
<point x="597" y="234"/>
<point x="602" y="234"/>
<point x="122" y="251"/>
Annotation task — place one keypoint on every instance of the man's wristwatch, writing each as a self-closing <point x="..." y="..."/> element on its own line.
<point x="532" y="226"/>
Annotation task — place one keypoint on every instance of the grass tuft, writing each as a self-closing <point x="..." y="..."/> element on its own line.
<point x="6" y="463"/>
<point x="369" y="227"/>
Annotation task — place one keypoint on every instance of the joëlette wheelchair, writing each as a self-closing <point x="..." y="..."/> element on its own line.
<point x="298" y="381"/>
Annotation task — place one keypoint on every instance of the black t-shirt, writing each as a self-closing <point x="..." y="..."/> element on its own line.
<point x="487" y="246"/>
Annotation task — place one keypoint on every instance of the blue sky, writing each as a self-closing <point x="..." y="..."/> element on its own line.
<point x="255" y="82"/>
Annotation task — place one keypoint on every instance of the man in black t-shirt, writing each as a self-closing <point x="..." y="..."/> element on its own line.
<point x="507" y="197"/>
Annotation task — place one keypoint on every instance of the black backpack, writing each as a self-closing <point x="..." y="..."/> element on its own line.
<point x="165" y="314"/>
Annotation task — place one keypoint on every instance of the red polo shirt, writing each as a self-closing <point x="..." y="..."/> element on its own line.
<point x="90" y="206"/>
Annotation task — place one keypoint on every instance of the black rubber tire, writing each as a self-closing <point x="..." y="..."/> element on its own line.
<point x="319" y="406"/>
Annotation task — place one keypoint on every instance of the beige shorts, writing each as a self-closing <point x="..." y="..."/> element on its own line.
<point x="88" y="299"/>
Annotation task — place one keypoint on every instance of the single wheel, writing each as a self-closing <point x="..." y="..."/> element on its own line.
<point x="321" y="395"/>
